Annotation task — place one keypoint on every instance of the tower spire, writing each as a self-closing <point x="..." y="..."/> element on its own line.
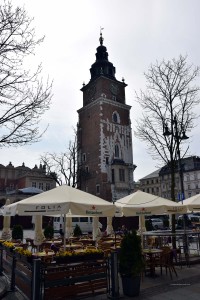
<point x="101" y="38"/>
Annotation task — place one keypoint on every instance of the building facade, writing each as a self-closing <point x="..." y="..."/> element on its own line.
<point x="14" y="178"/>
<point x="104" y="134"/>
<point x="159" y="182"/>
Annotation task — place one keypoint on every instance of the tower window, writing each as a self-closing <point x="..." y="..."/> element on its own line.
<point x="97" y="189"/>
<point x="84" y="157"/>
<point x="113" y="176"/>
<point x="107" y="160"/>
<point x="115" y="117"/>
<point x="121" y="175"/>
<point x="116" y="151"/>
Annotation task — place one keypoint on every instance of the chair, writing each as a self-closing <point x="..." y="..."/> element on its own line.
<point x="166" y="261"/>
<point x="33" y="246"/>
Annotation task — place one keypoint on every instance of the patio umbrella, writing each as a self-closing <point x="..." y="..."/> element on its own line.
<point x="142" y="227"/>
<point x="109" y="228"/>
<point x="38" y="234"/>
<point x="61" y="200"/>
<point x="141" y="203"/>
<point x="6" y="231"/>
<point x="96" y="232"/>
<point x="193" y="203"/>
<point x="68" y="229"/>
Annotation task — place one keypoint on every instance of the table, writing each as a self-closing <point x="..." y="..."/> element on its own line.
<point x="45" y="256"/>
<point x="151" y="258"/>
<point x="72" y="246"/>
<point x="56" y="242"/>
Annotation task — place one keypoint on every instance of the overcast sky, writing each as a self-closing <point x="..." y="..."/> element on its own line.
<point x="136" y="34"/>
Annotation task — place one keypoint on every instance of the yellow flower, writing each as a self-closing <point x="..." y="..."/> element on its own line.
<point x="8" y="244"/>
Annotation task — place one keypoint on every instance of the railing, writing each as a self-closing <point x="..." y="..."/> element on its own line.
<point x="38" y="281"/>
<point x="187" y="242"/>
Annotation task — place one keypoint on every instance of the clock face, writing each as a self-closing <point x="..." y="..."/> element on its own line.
<point x="114" y="89"/>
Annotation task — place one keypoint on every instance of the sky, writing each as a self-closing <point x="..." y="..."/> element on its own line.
<point x="137" y="33"/>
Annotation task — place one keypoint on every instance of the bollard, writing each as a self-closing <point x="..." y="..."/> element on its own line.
<point x="114" y="276"/>
<point x="1" y="261"/>
<point x="12" y="281"/>
<point x="36" y="280"/>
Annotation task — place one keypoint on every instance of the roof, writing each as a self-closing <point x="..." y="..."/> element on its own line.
<point x="152" y="175"/>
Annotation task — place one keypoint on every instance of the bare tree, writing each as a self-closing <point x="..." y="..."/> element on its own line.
<point x="170" y="95"/>
<point x="63" y="167"/>
<point x="168" y="102"/>
<point x="23" y="96"/>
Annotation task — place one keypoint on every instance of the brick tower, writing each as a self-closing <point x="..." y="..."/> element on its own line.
<point x="105" y="161"/>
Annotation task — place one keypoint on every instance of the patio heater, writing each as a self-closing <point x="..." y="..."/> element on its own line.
<point x="179" y="135"/>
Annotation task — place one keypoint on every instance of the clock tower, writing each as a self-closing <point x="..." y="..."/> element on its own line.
<point x="105" y="161"/>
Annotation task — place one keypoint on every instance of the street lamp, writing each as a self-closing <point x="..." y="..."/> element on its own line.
<point x="179" y="136"/>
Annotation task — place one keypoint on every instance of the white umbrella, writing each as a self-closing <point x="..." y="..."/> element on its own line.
<point x="193" y="203"/>
<point x="141" y="203"/>
<point x="61" y="200"/>
<point x="68" y="229"/>
<point x="38" y="234"/>
<point x="109" y="228"/>
<point x="96" y="232"/>
<point x="142" y="227"/>
<point x="6" y="231"/>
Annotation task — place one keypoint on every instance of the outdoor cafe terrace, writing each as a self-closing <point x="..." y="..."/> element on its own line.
<point x="88" y="264"/>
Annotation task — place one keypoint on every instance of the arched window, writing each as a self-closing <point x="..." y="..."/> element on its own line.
<point x="116" y="117"/>
<point x="117" y="150"/>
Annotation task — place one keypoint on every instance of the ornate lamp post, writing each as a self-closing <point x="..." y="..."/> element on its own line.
<point x="179" y="135"/>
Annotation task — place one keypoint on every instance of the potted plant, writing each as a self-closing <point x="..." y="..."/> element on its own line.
<point x="131" y="263"/>
<point x="77" y="231"/>
<point x="17" y="232"/>
<point x="49" y="232"/>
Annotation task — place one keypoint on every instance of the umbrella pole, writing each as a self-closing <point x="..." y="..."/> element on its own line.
<point x="64" y="232"/>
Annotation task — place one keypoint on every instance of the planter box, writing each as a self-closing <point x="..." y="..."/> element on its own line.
<point x="131" y="285"/>
<point x="78" y="258"/>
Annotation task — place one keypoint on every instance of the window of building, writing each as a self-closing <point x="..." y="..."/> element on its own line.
<point x="188" y="186"/>
<point x="114" y="98"/>
<point x="97" y="189"/>
<point x="47" y="186"/>
<point x="113" y="176"/>
<point x="117" y="151"/>
<point x="147" y="181"/>
<point x="34" y="184"/>
<point x="121" y="175"/>
<point x="115" y="117"/>
<point x="152" y="181"/>
<point x="41" y="185"/>
<point x="87" y="169"/>
<point x="107" y="160"/>
<point x="197" y="186"/>
<point x="84" y="157"/>
<point x="147" y="190"/>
